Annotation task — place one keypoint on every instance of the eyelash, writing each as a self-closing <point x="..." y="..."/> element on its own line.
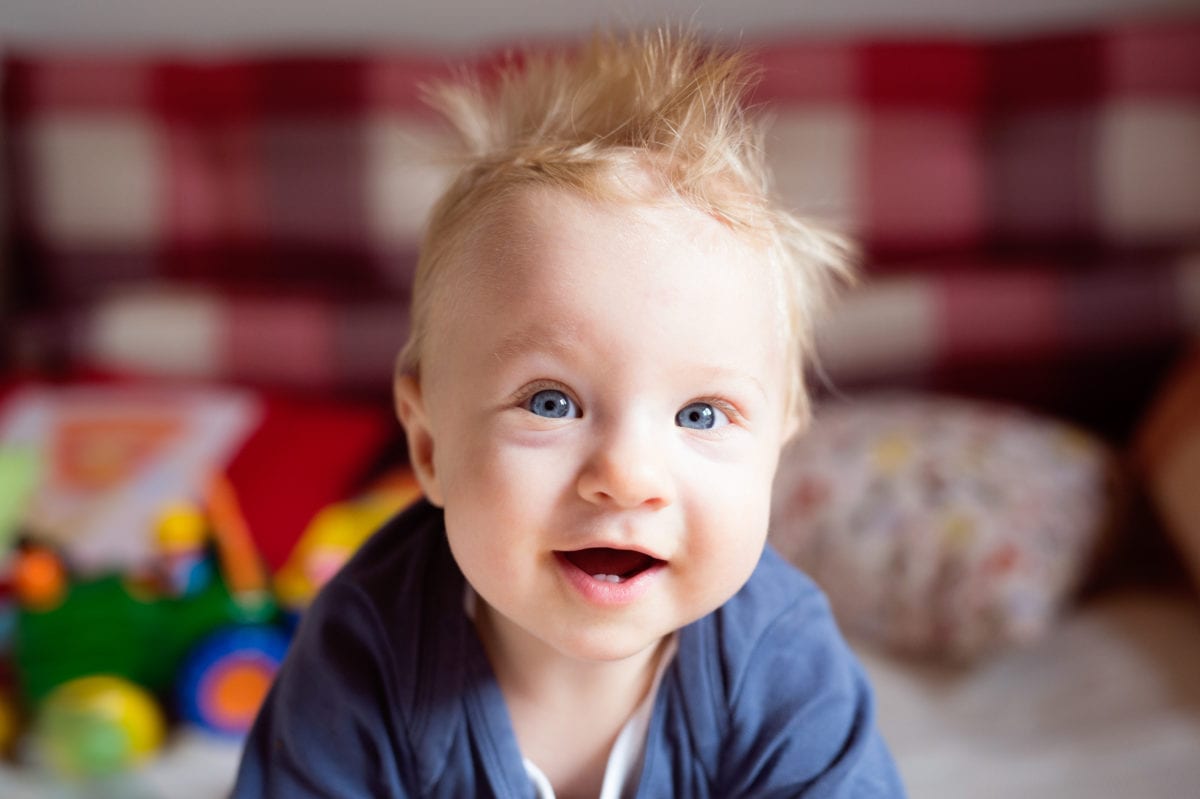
<point x="524" y="395"/>
<point x="727" y="407"/>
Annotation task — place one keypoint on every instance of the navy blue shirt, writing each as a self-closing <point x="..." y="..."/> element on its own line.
<point x="387" y="692"/>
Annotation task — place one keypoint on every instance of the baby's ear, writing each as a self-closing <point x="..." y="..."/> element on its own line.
<point x="410" y="407"/>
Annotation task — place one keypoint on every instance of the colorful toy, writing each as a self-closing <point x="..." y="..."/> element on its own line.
<point x="181" y="536"/>
<point x="19" y="472"/>
<point x="227" y="676"/>
<point x="198" y="628"/>
<point x="99" y="725"/>
<point x="111" y="456"/>
<point x="336" y="533"/>
<point x="196" y="634"/>
<point x="38" y="578"/>
<point x="243" y="569"/>
<point x="108" y="625"/>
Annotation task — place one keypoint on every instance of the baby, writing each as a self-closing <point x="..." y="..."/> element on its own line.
<point x="610" y="319"/>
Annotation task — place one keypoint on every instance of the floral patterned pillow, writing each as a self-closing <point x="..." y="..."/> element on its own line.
<point x="940" y="526"/>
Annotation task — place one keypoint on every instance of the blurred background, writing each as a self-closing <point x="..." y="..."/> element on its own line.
<point x="279" y="23"/>
<point x="209" y="215"/>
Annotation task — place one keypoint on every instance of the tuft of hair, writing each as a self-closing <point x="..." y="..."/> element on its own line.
<point x="660" y="104"/>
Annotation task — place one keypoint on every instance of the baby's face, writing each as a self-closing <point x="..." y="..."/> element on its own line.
<point x="602" y="405"/>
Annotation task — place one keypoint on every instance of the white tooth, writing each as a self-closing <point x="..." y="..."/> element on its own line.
<point x="607" y="578"/>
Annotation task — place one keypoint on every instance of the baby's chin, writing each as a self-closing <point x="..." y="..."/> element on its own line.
<point x="599" y="647"/>
<point x="599" y="642"/>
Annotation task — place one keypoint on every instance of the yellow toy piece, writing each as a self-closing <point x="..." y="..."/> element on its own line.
<point x="336" y="533"/>
<point x="181" y="535"/>
<point x="181" y="527"/>
<point x="96" y="726"/>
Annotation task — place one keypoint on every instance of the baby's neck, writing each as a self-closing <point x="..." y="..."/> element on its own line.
<point x="566" y="712"/>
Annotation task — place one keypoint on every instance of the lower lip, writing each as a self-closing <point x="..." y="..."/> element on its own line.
<point x="602" y="592"/>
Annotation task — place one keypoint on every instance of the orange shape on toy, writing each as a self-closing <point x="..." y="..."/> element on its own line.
<point x="95" y="453"/>
<point x="39" y="578"/>
<point x="239" y="692"/>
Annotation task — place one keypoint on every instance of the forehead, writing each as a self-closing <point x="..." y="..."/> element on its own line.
<point x="552" y="268"/>
<point x="544" y="234"/>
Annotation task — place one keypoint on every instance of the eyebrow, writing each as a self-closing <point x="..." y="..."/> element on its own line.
<point x="558" y="339"/>
<point x="720" y="373"/>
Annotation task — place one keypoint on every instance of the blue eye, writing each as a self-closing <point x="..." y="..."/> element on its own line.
<point x="701" y="416"/>
<point x="552" y="404"/>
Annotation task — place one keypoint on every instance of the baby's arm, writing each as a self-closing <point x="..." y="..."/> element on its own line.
<point x="327" y="727"/>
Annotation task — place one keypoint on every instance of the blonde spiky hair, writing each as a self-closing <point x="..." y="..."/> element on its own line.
<point x="660" y="104"/>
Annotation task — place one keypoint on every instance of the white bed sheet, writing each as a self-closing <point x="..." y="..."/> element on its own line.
<point x="1107" y="706"/>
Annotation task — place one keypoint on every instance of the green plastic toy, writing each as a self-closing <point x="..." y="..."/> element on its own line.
<point x="20" y="471"/>
<point x="108" y="625"/>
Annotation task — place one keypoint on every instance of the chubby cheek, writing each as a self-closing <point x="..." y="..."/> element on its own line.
<point x="495" y="493"/>
<point x="728" y="528"/>
<point x="735" y="539"/>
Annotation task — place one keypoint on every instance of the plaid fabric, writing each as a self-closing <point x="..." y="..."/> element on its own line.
<point x="928" y="146"/>
<point x="914" y="327"/>
<point x="315" y="170"/>
<point x="1030" y="196"/>
<point x="298" y="342"/>
<point x="301" y="172"/>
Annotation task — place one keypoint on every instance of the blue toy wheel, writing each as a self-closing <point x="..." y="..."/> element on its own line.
<point x="226" y="676"/>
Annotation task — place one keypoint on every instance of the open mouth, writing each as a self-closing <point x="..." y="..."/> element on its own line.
<point x="610" y="565"/>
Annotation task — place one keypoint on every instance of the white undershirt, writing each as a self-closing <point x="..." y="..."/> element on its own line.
<point x="624" y="765"/>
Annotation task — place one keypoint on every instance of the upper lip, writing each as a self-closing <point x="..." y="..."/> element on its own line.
<point x="650" y="553"/>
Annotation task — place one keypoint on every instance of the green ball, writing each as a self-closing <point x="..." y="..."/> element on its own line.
<point x="98" y="726"/>
<point x="82" y="744"/>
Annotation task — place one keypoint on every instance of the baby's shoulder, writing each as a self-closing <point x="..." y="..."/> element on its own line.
<point x="395" y="564"/>
<point x="779" y="607"/>
<point x="398" y="600"/>
<point x="774" y="647"/>
<point x="774" y="699"/>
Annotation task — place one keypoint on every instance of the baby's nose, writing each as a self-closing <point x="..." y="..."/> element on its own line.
<point x="627" y="469"/>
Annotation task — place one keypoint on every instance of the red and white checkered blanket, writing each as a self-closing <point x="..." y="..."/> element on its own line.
<point x="1021" y="200"/>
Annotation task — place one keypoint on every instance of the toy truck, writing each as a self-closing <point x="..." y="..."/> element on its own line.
<point x="201" y="635"/>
